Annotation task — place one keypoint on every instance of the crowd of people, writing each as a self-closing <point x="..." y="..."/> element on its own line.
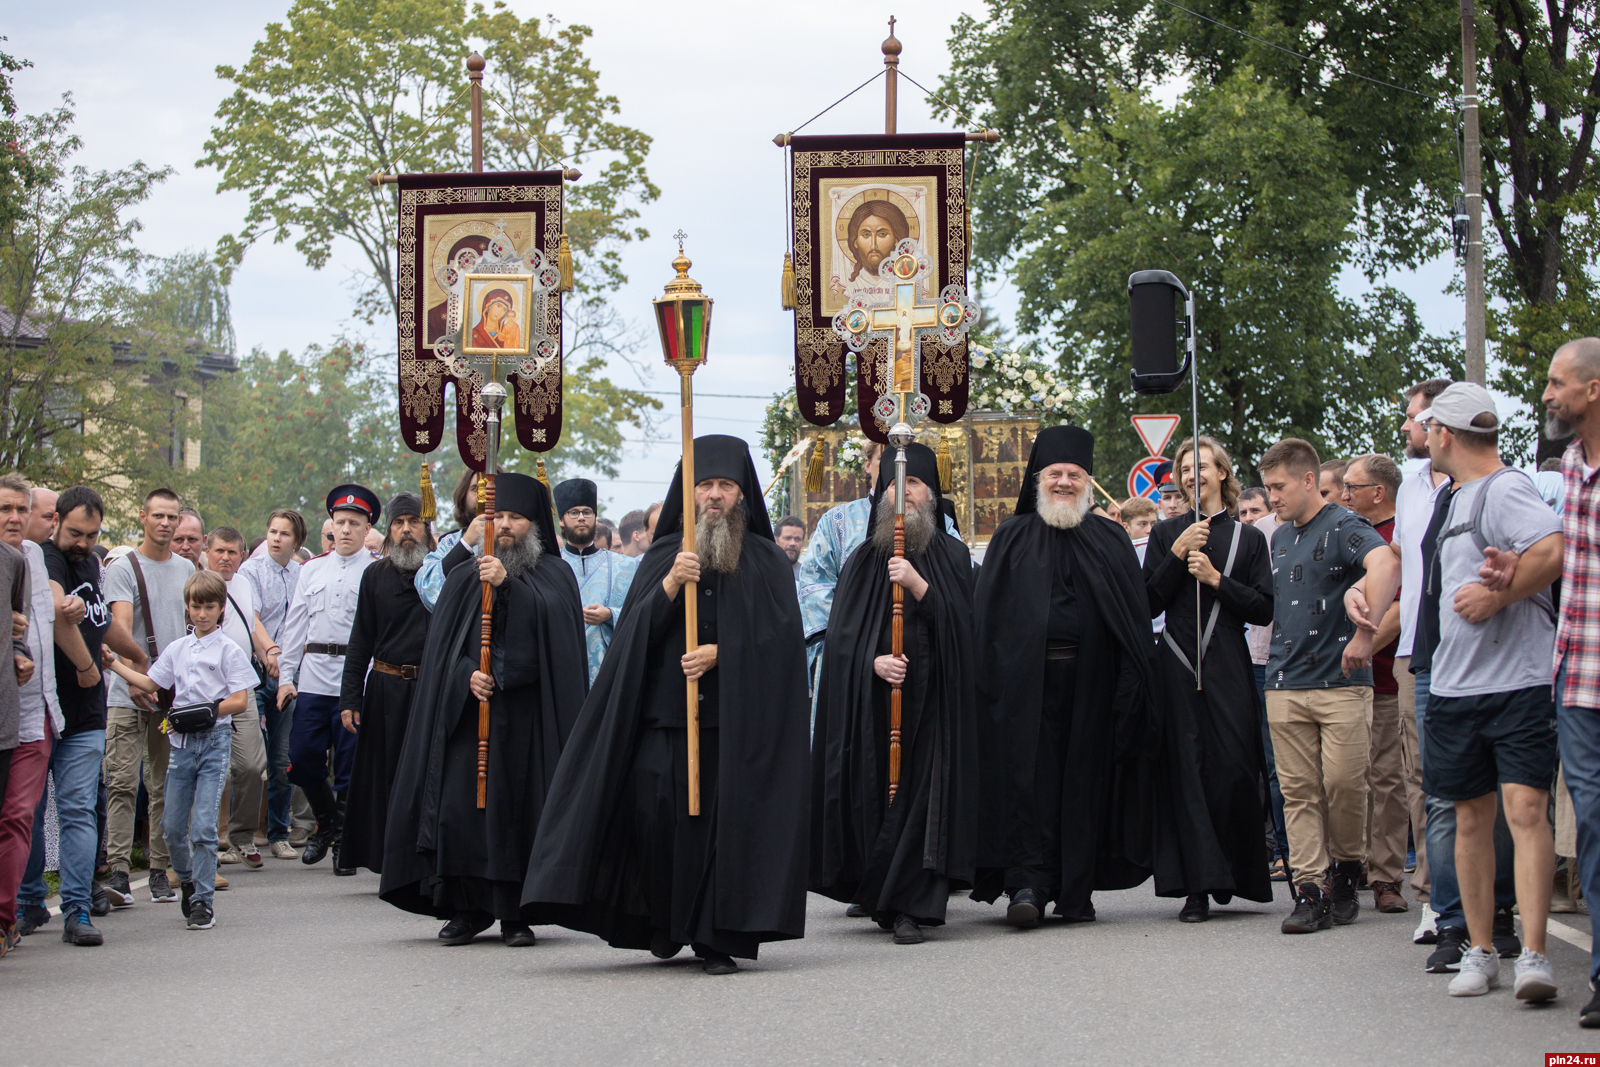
<point x="1343" y="679"/>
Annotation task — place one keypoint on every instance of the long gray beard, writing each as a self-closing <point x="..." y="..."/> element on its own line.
<point x="408" y="557"/>
<point x="919" y="529"/>
<point x="1556" y="429"/>
<point x="718" y="542"/>
<point x="522" y="555"/>
<point x="1063" y="515"/>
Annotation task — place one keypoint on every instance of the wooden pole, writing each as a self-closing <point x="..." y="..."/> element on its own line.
<point x="475" y="65"/>
<point x="891" y="63"/>
<point x="494" y="394"/>
<point x="691" y="613"/>
<point x="1472" y="179"/>
<point x="900" y="437"/>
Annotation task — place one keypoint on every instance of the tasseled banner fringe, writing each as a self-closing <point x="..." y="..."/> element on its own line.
<point x="817" y="466"/>
<point x="430" y="510"/>
<point x="564" y="262"/>
<point x="944" y="463"/>
<point x="788" y="282"/>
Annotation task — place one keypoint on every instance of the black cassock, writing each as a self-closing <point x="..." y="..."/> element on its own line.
<point x="1067" y="744"/>
<point x="441" y="853"/>
<point x="617" y="854"/>
<point x="906" y="857"/>
<point x="391" y="626"/>
<point x="1212" y="744"/>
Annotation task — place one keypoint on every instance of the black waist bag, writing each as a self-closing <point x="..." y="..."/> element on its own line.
<point x="192" y="718"/>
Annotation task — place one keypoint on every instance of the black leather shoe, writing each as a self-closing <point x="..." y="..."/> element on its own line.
<point x="317" y="846"/>
<point x="858" y="911"/>
<point x="1589" y="1017"/>
<point x="465" y="927"/>
<point x="718" y="962"/>
<point x="662" y="947"/>
<point x="76" y="929"/>
<point x="1196" y="909"/>
<point x="1025" y="908"/>
<point x="514" y="934"/>
<point x="907" y="932"/>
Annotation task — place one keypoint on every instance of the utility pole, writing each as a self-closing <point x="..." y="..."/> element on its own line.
<point x="1472" y="178"/>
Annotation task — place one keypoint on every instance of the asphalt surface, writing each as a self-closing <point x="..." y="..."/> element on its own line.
<point x="306" y="968"/>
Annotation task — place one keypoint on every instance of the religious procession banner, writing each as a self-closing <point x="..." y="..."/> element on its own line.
<point x="856" y="200"/>
<point x="988" y="452"/>
<point x="480" y="277"/>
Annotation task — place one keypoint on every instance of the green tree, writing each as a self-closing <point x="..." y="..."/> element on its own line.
<point x="93" y="389"/>
<point x="1235" y="190"/>
<point x="16" y="168"/>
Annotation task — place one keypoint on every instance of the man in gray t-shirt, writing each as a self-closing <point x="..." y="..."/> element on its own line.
<point x="1491" y="715"/>
<point x="133" y="725"/>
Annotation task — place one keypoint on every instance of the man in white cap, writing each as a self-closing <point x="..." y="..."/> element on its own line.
<point x="1490" y="706"/>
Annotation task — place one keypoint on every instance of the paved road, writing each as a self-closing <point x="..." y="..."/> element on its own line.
<point x="305" y="968"/>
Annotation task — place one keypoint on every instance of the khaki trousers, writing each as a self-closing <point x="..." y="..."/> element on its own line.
<point x="1416" y="799"/>
<point x="1387" y="814"/>
<point x="134" y="735"/>
<point x="1321" y="740"/>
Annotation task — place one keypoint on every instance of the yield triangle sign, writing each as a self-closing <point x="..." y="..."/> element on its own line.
<point x="1156" y="430"/>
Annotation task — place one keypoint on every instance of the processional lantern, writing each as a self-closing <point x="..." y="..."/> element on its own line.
<point x="683" y="316"/>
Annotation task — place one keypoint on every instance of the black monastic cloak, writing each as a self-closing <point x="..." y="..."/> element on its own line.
<point x="735" y="874"/>
<point x="903" y="857"/>
<point x="391" y="626"/>
<point x="1212" y="806"/>
<point x="1113" y="735"/>
<point x="441" y="853"/>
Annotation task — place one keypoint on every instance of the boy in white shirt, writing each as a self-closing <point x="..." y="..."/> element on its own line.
<point x="199" y="667"/>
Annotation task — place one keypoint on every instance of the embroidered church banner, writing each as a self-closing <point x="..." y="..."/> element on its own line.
<point x="477" y="296"/>
<point x="854" y="199"/>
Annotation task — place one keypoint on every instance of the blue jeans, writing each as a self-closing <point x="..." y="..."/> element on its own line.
<point x="1579" y="731"/>
<point x="75" y="762"/>
<point x="195" y="774"/>
<point x="280" y="793"/>
<point x="1279" y="832"/>
<point x="1444" y="894"/>
<point x="317" y="728"/>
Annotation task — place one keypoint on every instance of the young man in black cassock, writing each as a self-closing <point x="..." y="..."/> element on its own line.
<point x="898" y="861"/>
<point x="1212" y="742"/>
<point x="1065" y="716"/>
<point x="443" y="855"/>
<point x="390" y="628"/>
<point x="617" y="854"/>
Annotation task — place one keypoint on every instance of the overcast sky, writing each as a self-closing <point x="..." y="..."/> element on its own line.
<point x="712" y="83"/>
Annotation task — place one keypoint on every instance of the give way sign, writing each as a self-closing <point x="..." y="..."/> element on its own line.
<point x="1156" y="430"/>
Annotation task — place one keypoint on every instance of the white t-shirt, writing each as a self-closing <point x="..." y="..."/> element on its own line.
<point x="241" y="599"/>
<point x="1413" y="511"/>
<point x="1140" y="547"/>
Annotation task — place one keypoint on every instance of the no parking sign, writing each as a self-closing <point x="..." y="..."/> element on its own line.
<point x="1142" y="479"/>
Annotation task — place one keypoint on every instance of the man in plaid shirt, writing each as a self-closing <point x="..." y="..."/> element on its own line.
<point x="1572" y="404"/>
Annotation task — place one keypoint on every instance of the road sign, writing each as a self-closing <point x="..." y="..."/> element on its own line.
<point x="1156" y="430"/>
<point x="1142" y="479"/>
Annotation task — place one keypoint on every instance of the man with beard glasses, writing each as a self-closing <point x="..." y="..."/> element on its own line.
<point x="603" y="576"/>
<point x="443" y="855"/>
<point x="618" y="854"/>
<point x="1064" y="696"/>
<point x="390" y="628"/>
<point x="898" y="861"/>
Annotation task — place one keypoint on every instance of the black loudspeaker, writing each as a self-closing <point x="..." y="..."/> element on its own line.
<point x="1158" y="309"/>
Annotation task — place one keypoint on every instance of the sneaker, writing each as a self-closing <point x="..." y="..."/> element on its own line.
<point x="230" y="855"/>
<point x="1480" y="972"/>
<point x="1312" y="911"/>
<point x="1411" y="861"/>
<point x="200" y="916"/>
<point x="99" y="903"/>
<point x="1346" y="905"/>
<point x="299" y="836"/>
<point x="1589" y="1017"/>
<point x="1536" y="982"/>
<point x="1504" y="938"/>
<point x="33" y="917"/>
<point x="1387" y="898"/>
<point x="9" y="939"/>
<point x="186" y="904"/>
<point x="117" y="889"/>
<point x="1452" y="943"/>
<point x="161" y="889"/>
<point x="250" y="855"/>
<point x="76" y="929"/>
<point x="282" y="850"/>
<point x="1427" y="931"/>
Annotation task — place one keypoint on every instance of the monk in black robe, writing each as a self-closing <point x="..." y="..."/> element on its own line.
<point x="389" y="630"/>
<point x="617" y="854"/>
<point x="898" y="861"/>
<point x="443" y="855"/>
<point x="1065" y="716"/>
<point x="1212" y="748"/>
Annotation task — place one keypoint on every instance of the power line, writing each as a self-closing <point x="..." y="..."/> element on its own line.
<point x="726" y="396"/>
